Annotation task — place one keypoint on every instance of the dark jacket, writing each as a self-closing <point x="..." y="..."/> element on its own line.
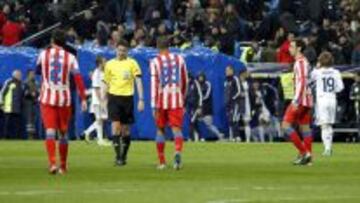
<point x="355" y="91"/>
<point x="271" y="98"/>
<point x="31" y="90"/>
<point x="193" y="96"/>
<point x="207" y="98"/>
<point x="231" y="91"/>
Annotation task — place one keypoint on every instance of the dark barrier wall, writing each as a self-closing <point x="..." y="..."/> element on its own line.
<point x="197" y="59"/>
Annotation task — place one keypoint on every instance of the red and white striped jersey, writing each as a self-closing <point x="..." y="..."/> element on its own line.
<point x="56" y="65"/>
<point x="303" y="95"/>
<point x="169" y="81"/>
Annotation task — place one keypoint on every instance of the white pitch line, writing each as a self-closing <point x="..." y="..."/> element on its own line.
<point x="37" y="192"/>
<point x="285" y="199"/>
<point x="55" y="192"/>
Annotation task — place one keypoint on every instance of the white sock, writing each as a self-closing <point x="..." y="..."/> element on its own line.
<point x="208" y="122"/>
<point x="91" y="128"/>
<point x="99" y="130"/>
<point x="231" y="135"/>
<point x="326" y="136"/>
<point x="261" y="132"/>
<point x="271" y="134"/>
<point x="278" y="128"/>
<point x="247" y="133"/>
<point x="330" y="137"/>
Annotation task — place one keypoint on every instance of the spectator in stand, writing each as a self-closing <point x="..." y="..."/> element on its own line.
<point x="346" y="48"/>
<point x="283" y="54"/>
<point x="86" y="26"/>
<point x="102" y="33"/>
<point x="325" y="35"/>
<point x="3" y="17"/>
<point x="232" y="21"/>
<point x="227" y="41"/>
<point x="140" y="39"/>
<point x="310" y="52"/>
<point x="12" y="31"/>
<point x="355" y="56"/>
<point x="114" y="38"/>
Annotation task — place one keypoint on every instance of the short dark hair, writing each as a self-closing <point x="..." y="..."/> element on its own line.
<point x="99" y="60"/>
<point x="123" y="42"/>
<point x="30" y="71"/>
<point x="59" y="37"/>
<point x="162" y="42"/>
<point x="326" y="59"/>
<point x="300" y="44"/>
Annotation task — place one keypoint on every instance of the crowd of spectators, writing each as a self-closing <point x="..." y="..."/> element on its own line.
<point x="268" y="25"/>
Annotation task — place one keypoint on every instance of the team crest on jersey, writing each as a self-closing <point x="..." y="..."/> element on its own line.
<point x="169" y="76"/>
<point x="126" y="75"/>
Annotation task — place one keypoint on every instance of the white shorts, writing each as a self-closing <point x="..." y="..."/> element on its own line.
<point x="265" y="115"/>
<point x="99" y="111"/>
<point x="325" y="111"/>
<point x="246" y="116"/>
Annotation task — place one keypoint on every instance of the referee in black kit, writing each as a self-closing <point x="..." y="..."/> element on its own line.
<point x="121" y="74"/>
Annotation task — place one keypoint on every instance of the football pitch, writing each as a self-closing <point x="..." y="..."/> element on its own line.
<point x="212" y="173"/>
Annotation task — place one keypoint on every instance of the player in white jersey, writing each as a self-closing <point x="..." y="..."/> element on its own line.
<point x="328" y="82"/>
<point x="98" y="103"/>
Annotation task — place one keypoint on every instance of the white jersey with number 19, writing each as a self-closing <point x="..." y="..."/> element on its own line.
<point x="328" y="82"/>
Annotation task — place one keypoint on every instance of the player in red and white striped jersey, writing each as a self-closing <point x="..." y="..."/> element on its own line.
<point x="298" y="113"/>
<point x="56" y="65"/>
<point x="168" y="81"/>
<point x="303" y="95"/>
<point x="168" y="89"/>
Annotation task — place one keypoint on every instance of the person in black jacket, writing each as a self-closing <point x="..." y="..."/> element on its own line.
<point x="207" y="109"/>
<point x="193" y="105"/>
<point x="31" y="92"/>
<point x="271" y="101"/>
<point x="355" y="98"/>
<point x="231" y="100"/>
<point x="11" y="102"/>
<point x="199" y="106"/>
<point x="261" y="115"/>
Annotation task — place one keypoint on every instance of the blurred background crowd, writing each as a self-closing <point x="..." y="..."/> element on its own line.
<point x="264" y="26"/>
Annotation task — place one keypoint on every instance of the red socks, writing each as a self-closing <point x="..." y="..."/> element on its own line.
<point x="308" y="143"/>
<point x="63" y="151"/>
<point x="50" y="144"/>
<point x="179" y="142"/>
<point x="295" y="139"/>
<point x="302" y="146"/>
<point x="160" y="146"/>
<point x="51" y="151"/>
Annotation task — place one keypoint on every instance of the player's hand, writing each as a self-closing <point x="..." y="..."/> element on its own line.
<point x="295" y="105"/>
<point x="199" y="111"/>
<point x="141" y="105"/>
<point x="103" y="103"/>
<point x="84" y="105"/>
<point x="154" y="113"/>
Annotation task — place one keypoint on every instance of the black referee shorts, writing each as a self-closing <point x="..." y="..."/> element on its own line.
<point x="121" y="108"/>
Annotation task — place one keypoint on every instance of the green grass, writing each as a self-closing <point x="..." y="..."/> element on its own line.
<point x="212" y="173"/>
